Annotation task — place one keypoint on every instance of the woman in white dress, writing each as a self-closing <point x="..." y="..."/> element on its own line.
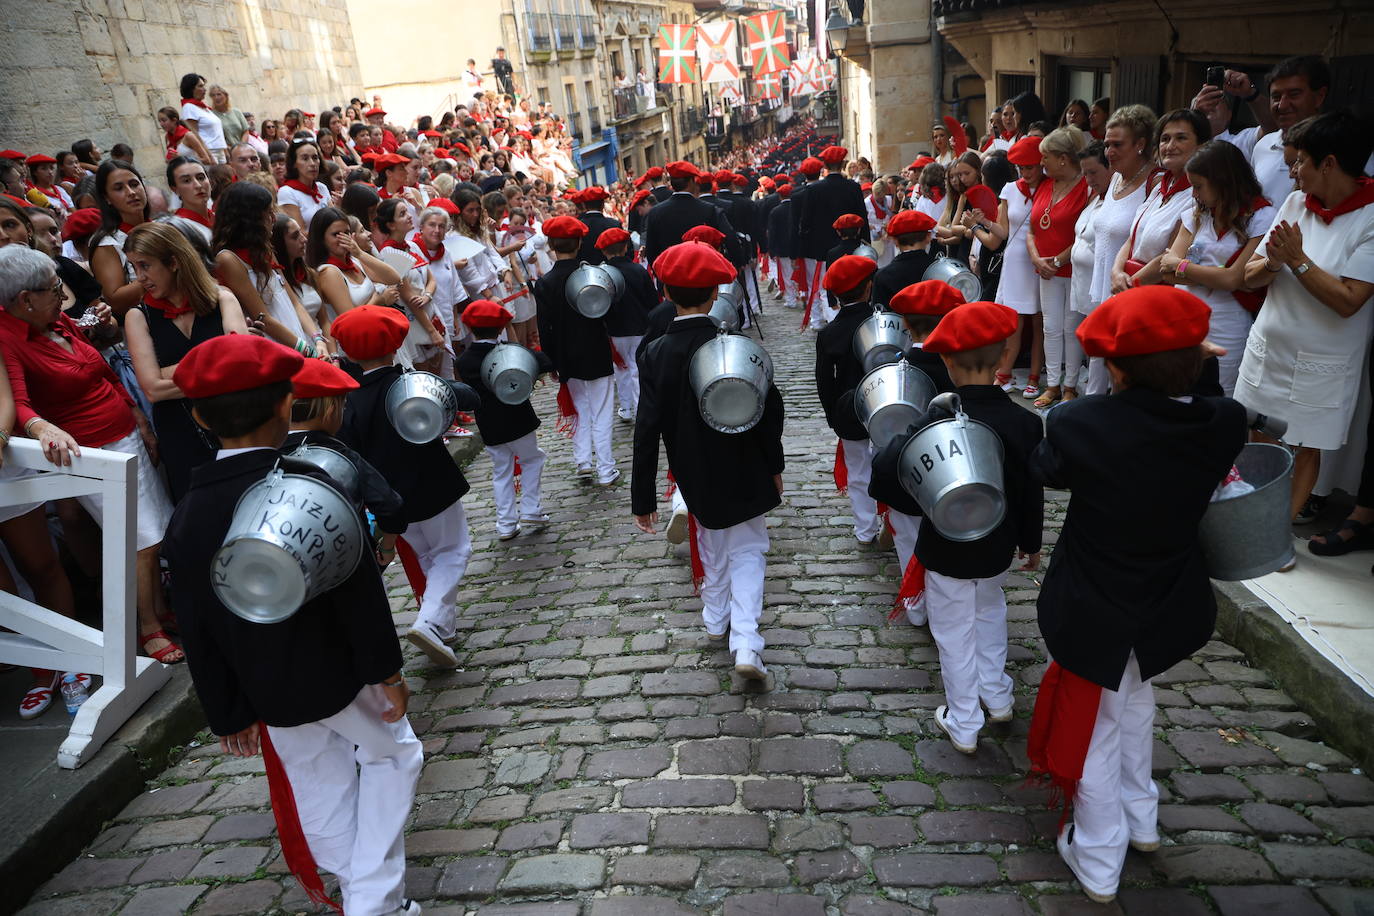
<point x="1306" y="351"/>
<point x="303" y="194"/>
<point x="423" y="347"/>
<point x="201" y="118"/>
<point x="347" y="275"/>
<point x="1019" y="287"/>
<point x="1097" y="171"/>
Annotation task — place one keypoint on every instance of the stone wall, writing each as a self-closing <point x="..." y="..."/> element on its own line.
<point x="101" y="68"/>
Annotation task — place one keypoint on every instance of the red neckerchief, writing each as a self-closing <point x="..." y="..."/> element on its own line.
<point x="301" y="186"/>
<point x="1007" y="135"/>
<point x="434" y="254"/>
<point x="173" y="139"/>
<point x="169" y="310"/>
<point x="1024" y="187"/>
<point x="1169" y="187"/>
<point x="937" y="194"/>
<point x="384" y="194"/>
<point x="126" y="228"/>
<point x="208" y="221"/>
<point x="345" y="263"/>
<point x="195" y="103"/>
<point x="400" y="246"/>
<point x="299" y="273"/>
<point x="878" y="210"/>
<point x="1363" y="196"/>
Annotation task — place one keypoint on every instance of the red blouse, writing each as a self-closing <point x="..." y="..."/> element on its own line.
<point x="1054" y="230"/>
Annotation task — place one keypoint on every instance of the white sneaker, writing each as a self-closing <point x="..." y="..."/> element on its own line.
<point x="535" y="521"/>
<point x="1148" y="845"/>
<point x="606" y="482"/>
<point x="625" y="416"/>
<point x="677" y="527"/>
<point x="429" y="643"/>
<point x="916" y="613"/>
<point x="409" y="908"/>
<point x="506" y="534"/>
<point x="943" y="726"/>
<point x="1065" y="846"/>
<point x="585" y="471"/>
<point x="748" y="664"/>
<point x="1001" y="715"/>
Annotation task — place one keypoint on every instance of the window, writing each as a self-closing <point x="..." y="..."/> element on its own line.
<point x="1088" y="80"/>
<point x="1010" y="85"/>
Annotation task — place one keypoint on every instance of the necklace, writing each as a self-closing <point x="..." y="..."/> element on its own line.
<point x="1045" y="220"/>
<point x="1128" y="184"/>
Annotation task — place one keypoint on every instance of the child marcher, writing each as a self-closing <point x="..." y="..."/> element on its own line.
<point x="847" y="226"/>
<point x="508" y="430"/>
<point x="628" y="318"/>
<point x="425" y="476"/>
<point x="320" y="692"/>
<point x="1126" y="595"/>
<point x="911" y="231"/>
<point x="728" y="480"/>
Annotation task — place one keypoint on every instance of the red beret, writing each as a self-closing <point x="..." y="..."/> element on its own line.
<point x="612" y="236"/>
<point x="848" y="273"/>
<point x="307" y="114"/>
<point x="573" y="194"/>
<point x="370" y="156"/>
<point x="483" y="313"/>
<point x="908" y="221"/>
<point x="781" y="178"/>
<point x="811" y="166"/>
<point x="234" y="362"/>
<point x="767" y="183"/>
<point x="784" y="190"/>
<point x="564" y="227"/>
<point x="445" y="204"/>
<point x="461" y="146"/>
<point x="373" y="111"/>
<point x="642" y="180"/>
<point x="968" y="327"/>
<point x="693" y="265"/>
<point x="640" y="197"/>
<point x="833" y="155"/>
<point x="430" y="133"/>
<point x="928" y="297"/>
<point x="654" y="173"/>
<point x="11" y="154"/>
<point x="441" y="153"/>
<point x="370" y="331"/>
<point x="741" y="179"/>
<point x="866" y="186"/>
<point x="594" y="194"/>
<point x="81" y="223"/>
<point x="319" y="378"/>
<point x="707" y="234"/>
<point x="1025" y="151"/>
<point x="681" y="169"/>
<point x="920" y="162"/>
<point x="1146" y="319"/>
<point x="724" y="176"/>
<point x="847" y="221"/>
<point x="388" y="160"/>
<point x="40" y="159"/>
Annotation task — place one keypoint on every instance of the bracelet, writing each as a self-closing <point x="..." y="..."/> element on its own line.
<point x="303" y="348"/>
<point x="29" y="425"/>
<point x="1182" y="268"/>
<point x="4" y="438"/>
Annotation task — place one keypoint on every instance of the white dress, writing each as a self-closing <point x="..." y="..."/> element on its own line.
<point x="359" y="293"/>
<point x="308" y="205"/>
<point x="278" y="301"/>
<point x="1019" y="287"/>
<point x="1081" y="258"/>
<point x="1155" y="222"/>
<point x="1111" y="227"/>
<point x="209" y="127"/>
<point x="1302" y="361"/>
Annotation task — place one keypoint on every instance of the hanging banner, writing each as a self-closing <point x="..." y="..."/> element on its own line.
<point x="677" y="54"/>
<point x="718" y="51"/>
<point x="767" y="43"/>
<point x="769" y="86"/>
<point x="730" y="92"/>
<point x="804" y="78"/>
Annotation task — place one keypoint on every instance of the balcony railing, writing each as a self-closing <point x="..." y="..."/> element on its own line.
<point x="692" y="121"/>
<point x="628" y="103"/>
<point x="538" y="34"/>
<point x="594" y="121"/>
<point x="564" y="32"/>
<point x="586" y="32"/>
<point x="575" y="126"/>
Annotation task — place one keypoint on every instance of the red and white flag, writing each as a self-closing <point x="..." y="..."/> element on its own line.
<point x="730" y="92"/>
<point x="807" y="73"/>
<point x="767" y="43"/>
<point x="769" y="85"/>
<point x="677" y="45"/>
<point x="718" y="51"/>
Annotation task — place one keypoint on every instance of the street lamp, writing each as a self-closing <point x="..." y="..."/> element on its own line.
<point x="837" y="30"/>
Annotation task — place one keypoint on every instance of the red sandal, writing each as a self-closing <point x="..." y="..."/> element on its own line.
<point x="161" y="654"/>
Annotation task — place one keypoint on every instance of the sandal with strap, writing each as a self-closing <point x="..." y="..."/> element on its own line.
<point x="38" y="698"/>
<point x="1050" y="396"/>
<point x="1334" y="545"/>
<point x="1006" y="381"/>
<point x="161" y="654"/>
<point x="1032" y="389"/>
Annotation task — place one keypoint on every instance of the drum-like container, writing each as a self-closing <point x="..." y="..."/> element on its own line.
<point x="881" y="339"/>
<point x="420" y="406"/>
<point x="953" y="468"/>
<point x="617" y="279"/>
<point x="730" y="377"/>
<point x="591" y="290"/>
<point x="957" y="275"/>
<point x="866" y="251"/>
<point x="330" y="462"/>
<point x="292" y="537"/>
<point x="890" y="398"/>
<point x="509" y="370"/>
<point x="1251" y="535"/>
<point x="725" y="311"/>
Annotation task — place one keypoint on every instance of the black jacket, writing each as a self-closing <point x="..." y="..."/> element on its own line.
<point x="661" y="192"/>
<point x="782" y="236"/>
<point x="838" y="370"/>
<point x="726" y="478"/>
<point x="425" y="476"/>
<point x="884" y="485"/>
<point x="373" y="491"/>
<point x="578" y="345"/>
<point x="740" y="212"/>
<point x="824" y="202"/>
<point x="596" y="223"/>
<point x="303" y="669"/>
<point x="1127" y="574"/>
<point x="840" y="249"/>
<point x="667" y="221"/>
<point x="498" y="423"/>
<point x="762" y="210"/>
<point x="906" y="268"/>
<point x="656" y="325"/>
<point x="629" y="315"/>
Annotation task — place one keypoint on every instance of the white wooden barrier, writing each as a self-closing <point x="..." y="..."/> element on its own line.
<point x="44" y="639"/>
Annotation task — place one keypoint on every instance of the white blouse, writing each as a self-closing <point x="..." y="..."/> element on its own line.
<point x="208" y="125"/>
<point x="308" y="205"/>
<point x="1081" y="257"/>
<point x="1111" y="227"/>
<point x="1156" y="220"/>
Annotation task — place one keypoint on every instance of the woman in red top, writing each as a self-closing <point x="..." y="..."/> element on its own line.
<point x="1049" y="239"/>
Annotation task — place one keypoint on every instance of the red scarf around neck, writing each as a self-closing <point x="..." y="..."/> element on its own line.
<point x="1169" y="186"/>
<point x="312" y="190"/>
<point x="345" y="263"/>
<point x="1024" y="187"/>
<point x="169" y="309"/>
<point x="400" y="246"/>
<point x="208" y="220"/>
<point x="434" y="253"/>
<point x="878" y="210"/>
<point x="1363" y="197"/>
<point x="196" y="103"/>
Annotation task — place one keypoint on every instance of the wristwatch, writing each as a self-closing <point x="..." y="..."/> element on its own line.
<point x="1302" y="268"/>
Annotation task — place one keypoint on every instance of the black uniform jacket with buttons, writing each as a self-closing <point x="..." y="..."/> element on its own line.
<point x="373" y="490"/>
<point x="726" y="478"/>
<point x="838" y="370"/>
<point x="906" y="268"/>
<point x="822" y="203"/>
<point x="579" y="346"/>
<point x="498" y="422"/>
<point x="782" y="231"/>
<point x="425" y="476"/>
<point x="667" y="221"/>
<point x="596" y="223"/>
<point x="763" y="209"/>
<point x="656" y="325"/>
<point x="1127" y="574"/>
<point x="305" y="668"/>
<point x="661" y="192"/>
<point x="629" y="315"/>
<point x="884" y="485"/>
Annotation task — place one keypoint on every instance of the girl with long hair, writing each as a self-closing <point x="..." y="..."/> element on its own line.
<point x="123" y="202"/>
<point x="483" y="273"/>
<point x="188" y="178"/>
<point x="288" y="244"/>
<point x="347" y="275"/>
<point x="424" y="344"/>
<point x="1018" y="287"/>
<point x="1076" y="114"/>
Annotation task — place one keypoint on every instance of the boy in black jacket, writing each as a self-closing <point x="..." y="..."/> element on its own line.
<point x="963" y="579"/>
<point x="508" y="430"/>
<point x="1127" y="594"/>
<point x="320" y="692"/>
<point x="628" y="318"/>
<point x="425" y="476"/>
<point x="729" y="480"/>
<point x="911" y="230"/>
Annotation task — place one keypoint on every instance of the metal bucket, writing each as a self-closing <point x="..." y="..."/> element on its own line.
<point x="890" y="398"/>
<point x="292" y="537"/>
<point x="725" y="311"/>
<point x="590" y="290"/>
<point x="953" y="468"/>
<point x="420" y="406"/>
<point x="332" y="463"/>
<point x="730" y="377"/>
<point x="881" y="339"/>
<point x="866" y="251"/>
<point x="509" y="370"/>
<point x="617" y="279"/>
<point x="1251" y="535"/>
<point x="957" y="275"/>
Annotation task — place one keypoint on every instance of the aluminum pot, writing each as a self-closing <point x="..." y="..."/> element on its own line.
<point x="866" y="251"/>
<point x="420" y="406"/>
<point x="725" y="311"/>
<point x="730" y="377"/>
<point x="617" y="279"/>
<point x="590" y="290"/>
<point x="882" y="338"/>
<point x="333" y="463"/>
<point x="953" y="468"/>
<point x="890" y="398"/>
<point x="292" y="537"/>
<point x="509" y="370"/>
<point x="1251" y="535"/>
<point x="957" y="275"/>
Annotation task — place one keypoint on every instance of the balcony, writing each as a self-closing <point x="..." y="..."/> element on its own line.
<point x="628" y="103"/>
<point x="538" y="38"/>
<point x="594" y="121"/>
<point x="575" y="127"/>
<point x="691" y="121"/>
<point x="564" y="32"/>
<point x="586" y="33"/>
<point x="745" y="114"/>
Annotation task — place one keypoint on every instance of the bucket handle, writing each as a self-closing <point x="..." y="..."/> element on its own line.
<point x="950" y="400"/>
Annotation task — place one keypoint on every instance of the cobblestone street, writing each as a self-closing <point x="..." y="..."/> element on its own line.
<point x="595" y="757"/>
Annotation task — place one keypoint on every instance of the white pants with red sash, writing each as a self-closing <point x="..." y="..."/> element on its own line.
<point x="787" y="285"/>
<point x="968" y="618"/>
<point x="627" y="378"/>
<point x="594" y="399"/>
<point x="353" y="777"/>
<point x="509" y="510"/>
<point x="442" y="547"/>
<point x="905" y="528"/>
<point x="858" y="463"/>
<point x="733" y="560"/>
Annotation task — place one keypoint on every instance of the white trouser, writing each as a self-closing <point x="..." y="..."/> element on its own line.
<point x="593" y="398"/>
<point x="353" y="777"/>
<point x="1063" y="352"/>
<point x="1116" y="799"/>
<point x="751" y="284"/>
<point x="733" y="561"/>
<point x="503" y="458"/>
<point x="858" y="461"/>
<point x="627" y="379"/>
<point x="442" y="546"/>
<point x="1099" y="381"/>
<point x="905" y="528"/>
<point x="968" y="618"/>
<point x="821" y="313"/>
<point x="786" y="284"/>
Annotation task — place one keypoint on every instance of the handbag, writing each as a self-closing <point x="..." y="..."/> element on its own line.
<point x="1249" y="299"/>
